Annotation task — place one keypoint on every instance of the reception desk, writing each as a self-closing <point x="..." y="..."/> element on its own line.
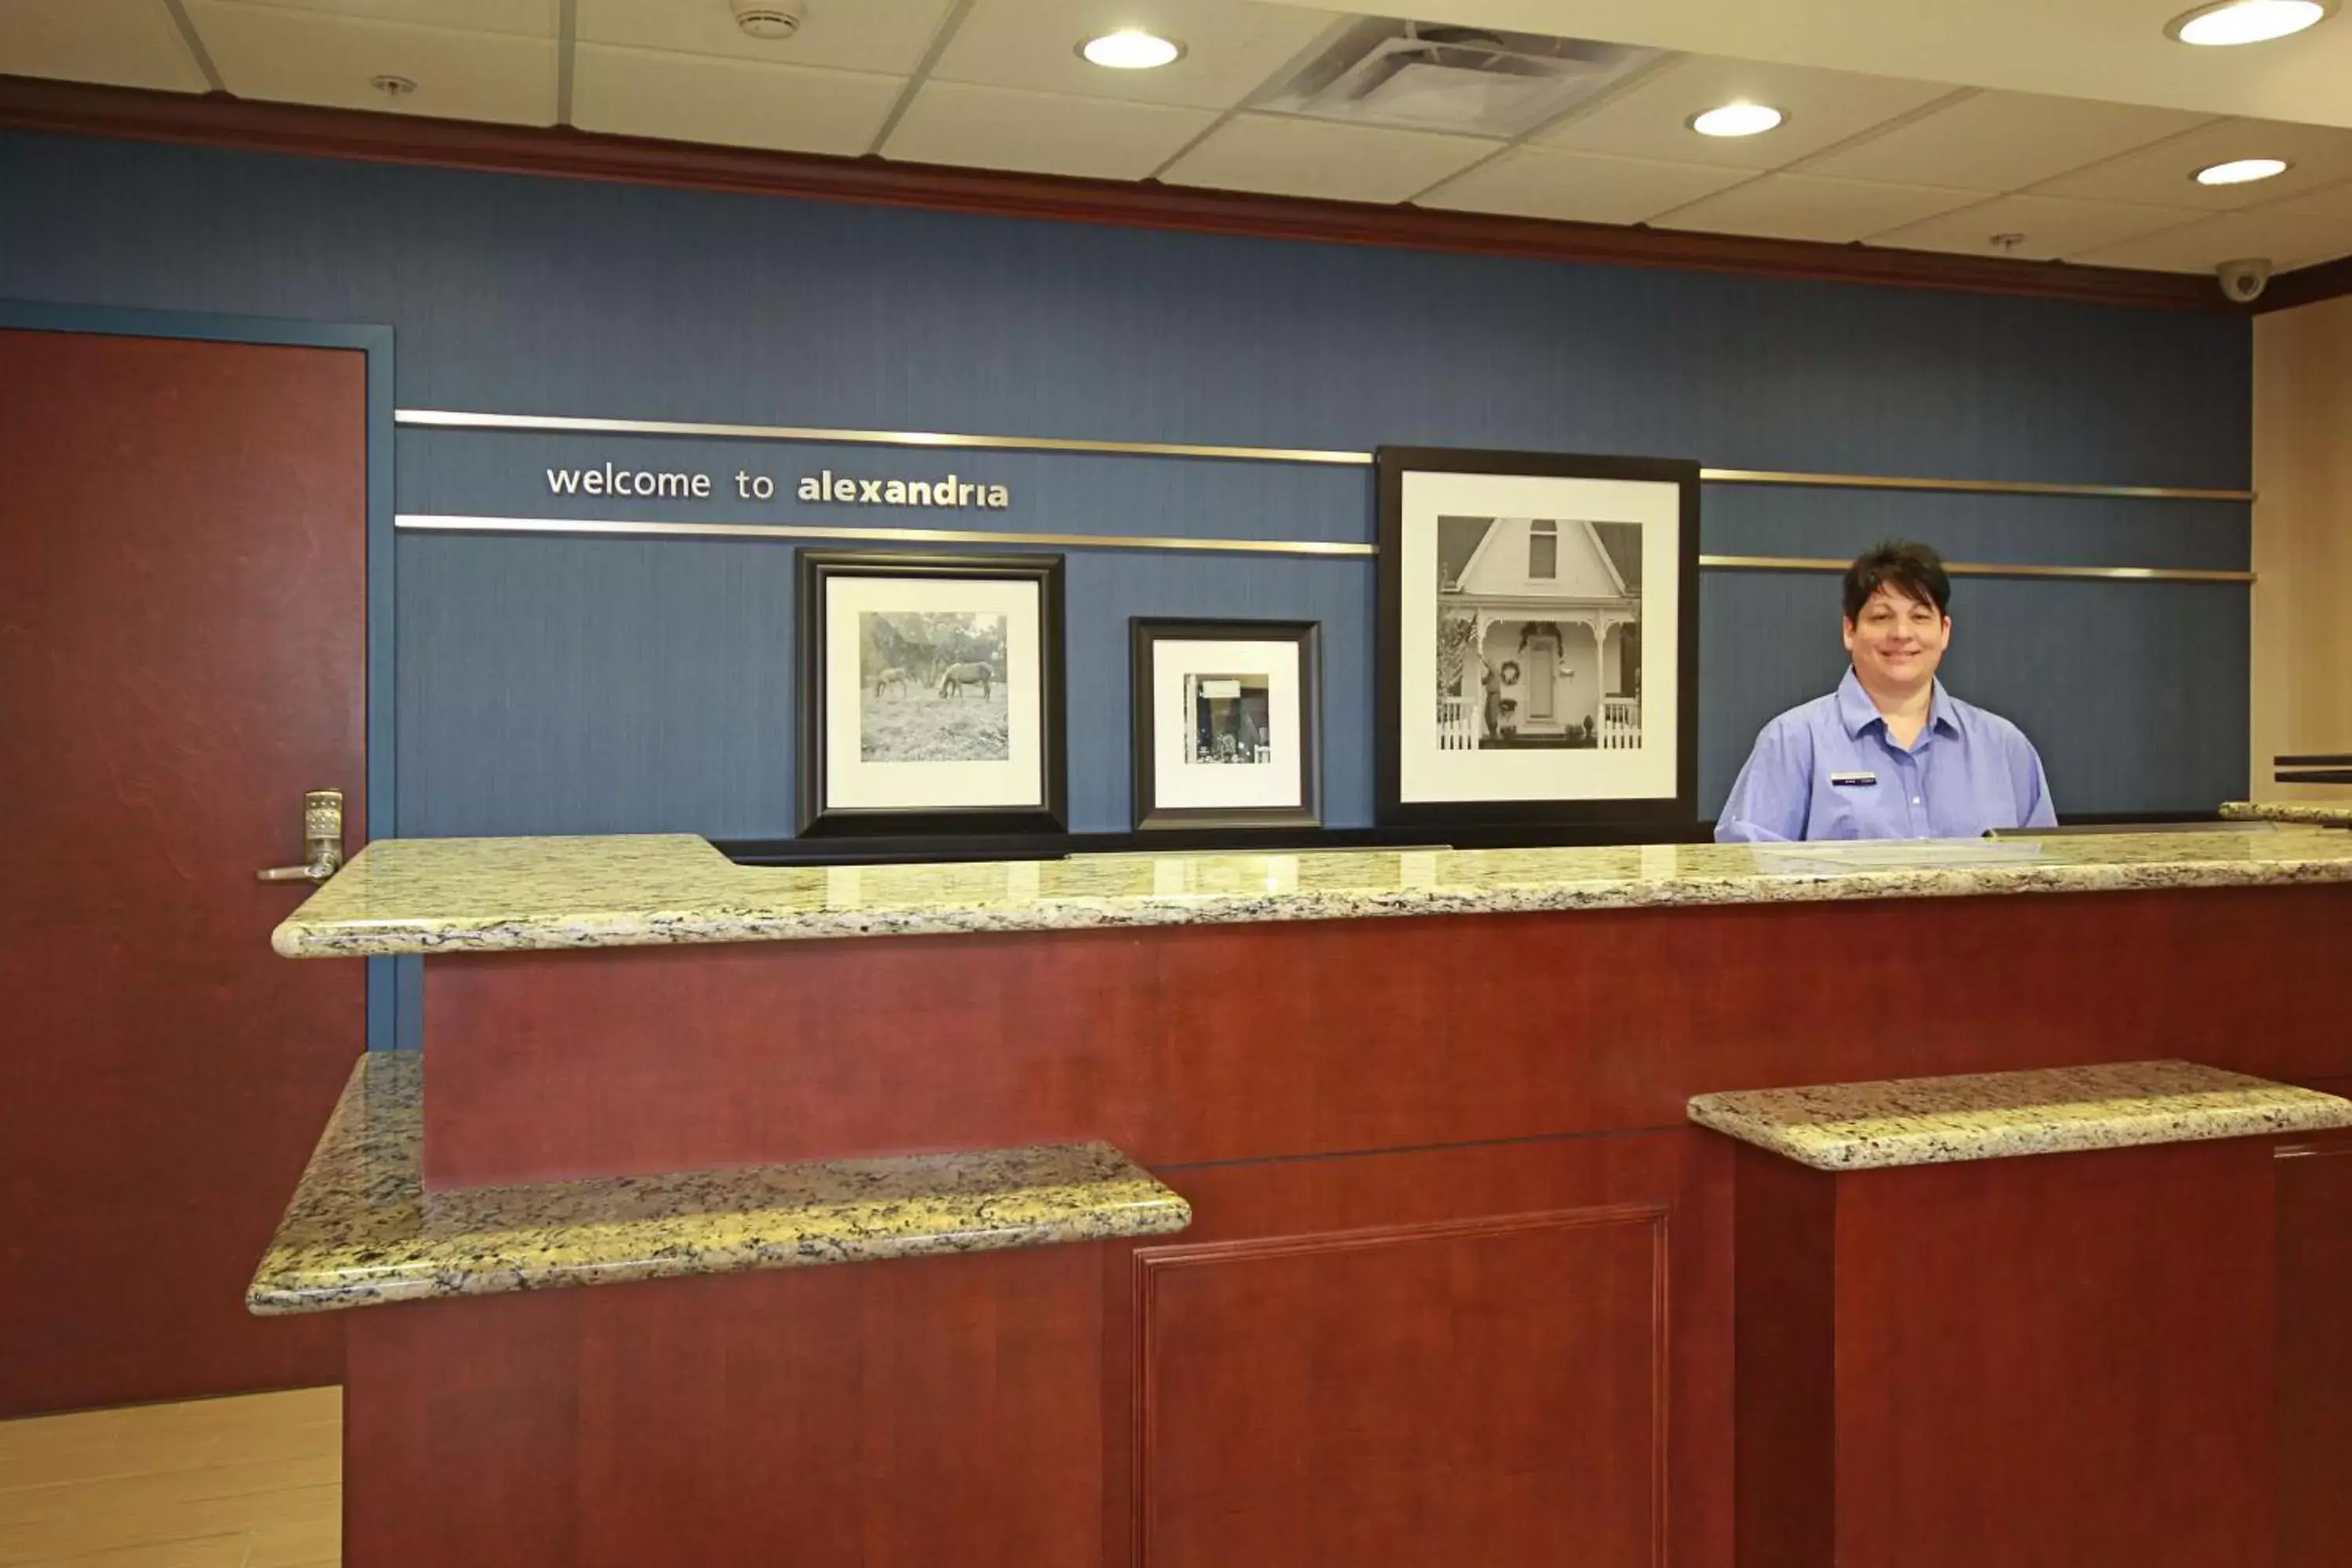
<point x="2021" y="1317"/>
<point x="1348" y="1209"/>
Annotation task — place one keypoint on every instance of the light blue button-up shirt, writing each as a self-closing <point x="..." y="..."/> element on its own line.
<point x="1829" y="769"/>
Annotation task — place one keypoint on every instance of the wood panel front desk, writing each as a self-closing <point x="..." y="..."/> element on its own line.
<point x="1459" y="1282"/>
<point x="2024" y="1318"/>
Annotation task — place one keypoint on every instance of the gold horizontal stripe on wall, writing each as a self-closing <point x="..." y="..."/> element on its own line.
<point x="425" y="522"/>
<point x="444" y="522"/>
<point x="557" y="423"/>
<point x="1966" y="487"/>
<point x="1981" y="568"/>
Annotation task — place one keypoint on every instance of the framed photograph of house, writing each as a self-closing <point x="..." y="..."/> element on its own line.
<point x="1538" y="639"/>
<point x="1228" y="723"/>
<point x="932" y="694"/>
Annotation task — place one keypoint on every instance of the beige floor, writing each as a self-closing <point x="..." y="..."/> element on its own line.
<point x="254" y="1482"/>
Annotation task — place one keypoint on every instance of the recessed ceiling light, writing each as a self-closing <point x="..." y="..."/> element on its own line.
<point x="2247" y="21"/>
<point x="1130" y="50"/>
<point x="2239" y="171"/>
<point x="1737" y="119"/>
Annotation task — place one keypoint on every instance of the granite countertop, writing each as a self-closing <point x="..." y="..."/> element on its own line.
<point x="2308" y="812"/>
<point x="1991" y="1116"/>
<point x="451" y="895"/>
<point x="362" y="1230"/>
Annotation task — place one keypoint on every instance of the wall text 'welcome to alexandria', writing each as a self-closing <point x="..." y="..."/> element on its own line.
<point x="612" y="480"/>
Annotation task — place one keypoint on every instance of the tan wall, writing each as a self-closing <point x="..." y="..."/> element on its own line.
<point x="2303" y="541"/>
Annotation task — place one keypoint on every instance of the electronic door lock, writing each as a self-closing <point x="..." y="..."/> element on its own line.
<point x="322" y="840"/>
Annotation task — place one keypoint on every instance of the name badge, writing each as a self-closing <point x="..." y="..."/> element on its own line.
<point x="1852" y="781"/>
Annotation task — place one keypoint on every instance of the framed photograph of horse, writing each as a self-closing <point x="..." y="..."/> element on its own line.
<point x="932" y="694"/>
<point x="1228" y="723"/>
<point x="1537" y="657"/>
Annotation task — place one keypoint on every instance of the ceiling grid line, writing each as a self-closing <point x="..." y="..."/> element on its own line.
<point x="2134" y="151"/>
<point x="1648" y="71"/>
<point x="186" y="28"/>
<point x="2190" y="219"/>
<point x="922" y="73"/>
<point x="567" y="37"/>
<point x="1796" y="165"/>
<point x="1985" y="199"/>
<point x="1240" y="106"/>
<point x="2031" y="186"/>
<point x="2274" y="202"/>
<point x="1993" y="197"/>
<point x="1886" y="127"/>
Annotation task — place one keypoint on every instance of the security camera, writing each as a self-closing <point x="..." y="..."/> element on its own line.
<point x="2242" y="282"/>
<point x="769" y="19"/>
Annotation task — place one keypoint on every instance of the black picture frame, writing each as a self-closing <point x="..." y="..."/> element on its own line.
<point x="821" y="816"/>
<point x="1145" y="634"/>
<point x="1638" y="815"/>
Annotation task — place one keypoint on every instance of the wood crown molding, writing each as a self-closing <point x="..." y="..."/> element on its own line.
<point x="2307" y="285"/>
<point x="217" y="120"/>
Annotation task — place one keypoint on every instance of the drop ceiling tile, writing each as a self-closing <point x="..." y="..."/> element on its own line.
<point x="1311" y="158"/>
<point x="1230" y="47"/>
<point x="1583" y="187"/>
<point x="2287" y="240"/>
<point x="1999" y="141"/>
<point x="304" y="57"/>
<point x="2330" y="200"/>
<point x="1808" y="206"/>
<point x="887" y="37"/>
<point x="2164" y="175"/>
<point x="2049" y="228"/>
<point x="996" y="128"/>
<point x="129" y="43"/>
<point x="701" y="98"/>
<point x="1650" y="119"/>
<point x="531" y="18"/>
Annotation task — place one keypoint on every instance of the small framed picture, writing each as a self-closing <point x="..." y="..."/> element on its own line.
<point x="932" y="694"/>
<point x="1538" y="656"/>
<point x="1228" y="723"/>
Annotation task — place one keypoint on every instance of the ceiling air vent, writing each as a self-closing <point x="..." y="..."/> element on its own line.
<point x="1418" y="76"/>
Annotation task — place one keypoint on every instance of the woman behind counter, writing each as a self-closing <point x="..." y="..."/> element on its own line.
<point x="1890" y="753"/>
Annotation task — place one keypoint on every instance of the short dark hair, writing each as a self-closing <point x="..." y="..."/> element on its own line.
<point x="1911" y="569"/>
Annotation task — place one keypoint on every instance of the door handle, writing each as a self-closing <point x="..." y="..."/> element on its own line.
<point x="322" y="840"/>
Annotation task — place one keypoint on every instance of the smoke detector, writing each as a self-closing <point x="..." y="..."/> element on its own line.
<point x="769" y="19"/>
<point x="1421" y="77"/>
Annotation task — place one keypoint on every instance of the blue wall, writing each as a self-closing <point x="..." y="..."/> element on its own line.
<point x="551" y="685"/>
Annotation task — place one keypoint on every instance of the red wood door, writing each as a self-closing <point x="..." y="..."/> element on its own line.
<point x="183" y="652"/>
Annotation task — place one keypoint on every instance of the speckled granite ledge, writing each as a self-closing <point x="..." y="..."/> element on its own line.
<point x="483" y="895"/>
<point x="1991" y="1116"/>
<point x="361" y="1231"/>
<point x="2309" y="812"/>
